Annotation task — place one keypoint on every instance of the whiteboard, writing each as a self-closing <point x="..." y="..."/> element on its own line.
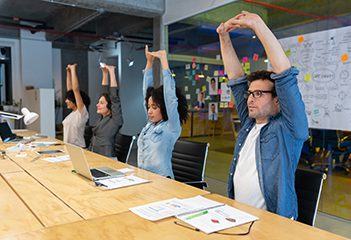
<point x="323" y="59"/>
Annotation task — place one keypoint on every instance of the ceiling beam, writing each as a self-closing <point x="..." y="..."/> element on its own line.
<point x="149" y="8"/>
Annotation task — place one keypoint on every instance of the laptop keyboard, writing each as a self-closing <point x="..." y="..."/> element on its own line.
<point x="98" y="174"/>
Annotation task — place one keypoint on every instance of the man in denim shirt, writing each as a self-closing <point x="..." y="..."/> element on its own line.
<point x="274" y="123"/>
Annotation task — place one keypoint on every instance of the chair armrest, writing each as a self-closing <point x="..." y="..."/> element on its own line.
<point x="198" y="184"/>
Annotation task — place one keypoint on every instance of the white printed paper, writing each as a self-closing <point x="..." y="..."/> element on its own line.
<point x="172" y="207"/>
<point x="57" y="159"/>
<point x="119" y="182"/>
<point x="217" y="218"/>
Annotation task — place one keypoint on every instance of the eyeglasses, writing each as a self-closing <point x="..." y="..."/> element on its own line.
<point x="256" y="93"/>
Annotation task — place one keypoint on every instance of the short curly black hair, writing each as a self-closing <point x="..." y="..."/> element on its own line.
<point x="86" y="99"/>
<point x="158" y="97"/>
<point x="262" y="75"/>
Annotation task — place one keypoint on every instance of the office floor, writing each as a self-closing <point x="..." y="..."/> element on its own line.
<point x="335" y="203"/>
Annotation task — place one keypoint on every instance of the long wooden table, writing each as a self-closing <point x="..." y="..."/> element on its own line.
<point x="126" y="225"/>
<point x="42" y="200"/>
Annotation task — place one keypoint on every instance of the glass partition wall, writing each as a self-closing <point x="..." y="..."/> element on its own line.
<point x="307" y="28"/>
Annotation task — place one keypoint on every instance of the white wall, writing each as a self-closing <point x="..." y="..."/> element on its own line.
<point x="36" y="60"/>
<point x="180" y="9"/>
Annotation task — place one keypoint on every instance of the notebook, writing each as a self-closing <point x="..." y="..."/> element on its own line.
<point x="80" y="165"/>
<point x="7" y="135"/>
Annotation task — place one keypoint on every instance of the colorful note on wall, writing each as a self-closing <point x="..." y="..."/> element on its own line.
<point x="300" y="39"/>
<point x="255" y="57"/>
<point x="308" y="77"/>
<point x="203" y="88"/>
<point x="344" y="57"/>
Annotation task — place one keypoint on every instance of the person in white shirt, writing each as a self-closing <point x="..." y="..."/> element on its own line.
<point x="78" y="102"/>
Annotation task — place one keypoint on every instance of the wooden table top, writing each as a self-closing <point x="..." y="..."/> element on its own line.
<point x="129" y="226"/>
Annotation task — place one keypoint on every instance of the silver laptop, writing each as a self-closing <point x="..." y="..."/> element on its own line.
<point x="80" y="165"/>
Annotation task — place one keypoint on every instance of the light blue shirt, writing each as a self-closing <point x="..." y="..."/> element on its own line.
<point x="156" y="141"/>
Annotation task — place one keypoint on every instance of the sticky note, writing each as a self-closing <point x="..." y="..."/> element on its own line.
<point x="206" y="67"/>
<point x="193" y="72"/>
<point x="193" y="83"/>
<point x="255" y="57"/>
<point x="187" y="96"/>
<point x="215" y="73"/>
<point x="288" y="52"/>
<point x="197" y="91"/>
<point x="197" y="66"/>
<point x="193" y="60"/>
<point x="308" y="77"/>
<point x="187" y="66"/>
<point x="220" y="72"/>
<point x="197" y="77"/>
<point x="300" y="39"/>
<point x="219" y="91"/>
<point x="203" y="88"/>
<point x="208" y="79"/>
<point x="193" y="66"/>
<point x="344" y="57"/>
<point x="231" y="104"/>
<point x="186" y="88"/>
<point x="245" y="59"/>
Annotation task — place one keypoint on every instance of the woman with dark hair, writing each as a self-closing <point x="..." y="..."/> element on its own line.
<point x="109" y="108"/>
<point x="167" y="109"/>
<point x="78" y="101"/>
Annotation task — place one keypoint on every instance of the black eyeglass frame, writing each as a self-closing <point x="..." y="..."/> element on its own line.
<point x="257" y="93"/>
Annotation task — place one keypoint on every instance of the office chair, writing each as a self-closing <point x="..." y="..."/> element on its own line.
<point x="88" y="133"/>
<point x="123" y="146"/>
<point x="189" y="162"/>
<point x="308" y="187"/>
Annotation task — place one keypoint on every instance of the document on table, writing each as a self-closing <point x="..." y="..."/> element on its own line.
<point x="44" y="144"/>
<point x="217" y="218"/>
<point x="119" y="182"/>
<point x="57" y="159"/>
<point x="172" y="207"/>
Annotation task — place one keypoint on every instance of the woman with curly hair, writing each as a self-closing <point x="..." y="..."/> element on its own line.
<point x="167" y="109"/>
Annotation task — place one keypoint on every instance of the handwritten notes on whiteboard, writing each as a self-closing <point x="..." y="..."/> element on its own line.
<point x="325" y="75"/>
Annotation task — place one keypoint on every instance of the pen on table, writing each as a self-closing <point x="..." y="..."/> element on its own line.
<point x="36" y="158"/>
<point x="196" y="215"/>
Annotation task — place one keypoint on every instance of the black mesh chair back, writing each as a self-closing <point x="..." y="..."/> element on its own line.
<point x="308" y="186"/>
<point x="189" y="162"/>
<point x="88" y="133"/>
<point x="123" y="146"/>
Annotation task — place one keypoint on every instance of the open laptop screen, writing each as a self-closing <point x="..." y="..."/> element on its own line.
<point x="5" y="132"/>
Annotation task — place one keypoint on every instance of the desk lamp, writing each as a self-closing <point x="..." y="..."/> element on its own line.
<point x="29" y="117"/>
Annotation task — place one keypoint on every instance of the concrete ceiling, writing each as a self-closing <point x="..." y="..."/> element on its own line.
<point x="81" y="23"/>
<point x="285" y="17"/>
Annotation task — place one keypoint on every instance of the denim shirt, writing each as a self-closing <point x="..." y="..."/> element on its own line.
<point x="279" y="144"/>
<point x="156" y="141"/>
